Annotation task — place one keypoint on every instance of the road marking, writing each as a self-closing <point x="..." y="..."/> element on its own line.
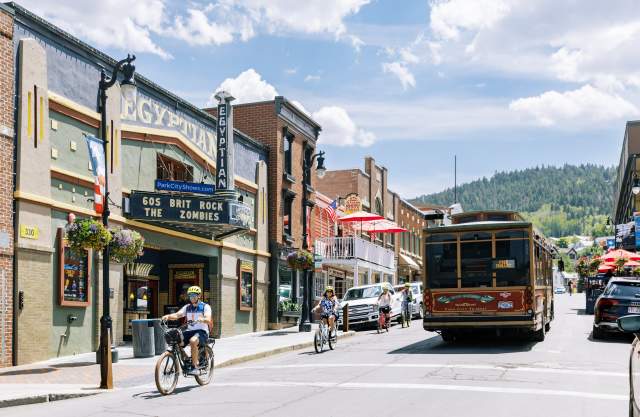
<point x="437" y="387"/>
<point x="566" y="371"/>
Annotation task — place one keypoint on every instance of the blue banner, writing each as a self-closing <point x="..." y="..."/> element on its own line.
<point x="636" y="220"/>
<point x="185" y="187"/>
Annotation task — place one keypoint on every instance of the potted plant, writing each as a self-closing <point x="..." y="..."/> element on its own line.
<point x="300" y="259"/>
<point x="125" y="246"/>
<point x="594" y="264"/>
<point x="288" y="308"/>
<point x="620" y="265"/>
<point x="87" y="234"/>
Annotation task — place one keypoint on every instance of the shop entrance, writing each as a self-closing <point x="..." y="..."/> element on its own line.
<point x="181" y="277"/>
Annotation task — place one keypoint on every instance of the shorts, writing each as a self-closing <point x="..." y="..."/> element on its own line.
<point x="202" y="336"/>
<point x="327" y="315"/>
<point x="385" y="309"/>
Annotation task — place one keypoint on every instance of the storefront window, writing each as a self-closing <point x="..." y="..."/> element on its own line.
<point x="245" y="285"/>
<point x="74" y="275"/>
<point x="286" y="282"/>
<point x="138" y="295"/>
<point x="171" y="169"/>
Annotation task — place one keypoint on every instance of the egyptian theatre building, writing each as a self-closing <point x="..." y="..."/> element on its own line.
<point x="201" y="226"/>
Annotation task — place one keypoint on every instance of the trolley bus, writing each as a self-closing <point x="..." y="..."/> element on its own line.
<point x="487" y="270"/>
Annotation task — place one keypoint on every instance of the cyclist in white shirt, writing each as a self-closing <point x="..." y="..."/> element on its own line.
<point x="197" y="333"/>
<point x="384" y="301"/>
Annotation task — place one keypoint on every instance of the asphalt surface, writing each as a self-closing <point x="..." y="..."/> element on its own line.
<point x="405" y="372"/>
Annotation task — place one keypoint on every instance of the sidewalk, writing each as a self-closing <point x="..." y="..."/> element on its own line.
<point x="79" y="375"/>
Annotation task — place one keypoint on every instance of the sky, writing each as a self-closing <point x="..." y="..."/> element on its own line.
<point x="502" y="84"/>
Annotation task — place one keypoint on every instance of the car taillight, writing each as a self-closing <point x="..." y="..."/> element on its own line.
<point x="603" y="305"/>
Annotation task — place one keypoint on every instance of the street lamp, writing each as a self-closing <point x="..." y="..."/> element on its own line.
<point x="128" y="91"/>
<point x="305" y="321"/>
<point x="635" y="188"/>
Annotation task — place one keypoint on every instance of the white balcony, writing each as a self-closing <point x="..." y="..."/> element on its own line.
<point x="351" y="249"/>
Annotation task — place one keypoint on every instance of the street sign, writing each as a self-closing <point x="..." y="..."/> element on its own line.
<point x="185" y="187"/>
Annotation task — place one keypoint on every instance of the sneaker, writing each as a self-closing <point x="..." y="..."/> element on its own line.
<point x="193" y="371"/>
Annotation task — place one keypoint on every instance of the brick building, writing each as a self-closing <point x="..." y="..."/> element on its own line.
<point x="154" y="137"/>
<point x="290" y="135"/>
<point x="371" y="187"/>
<point x="6" y="184"/>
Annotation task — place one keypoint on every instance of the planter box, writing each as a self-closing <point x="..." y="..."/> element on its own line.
<point x="292" y="314"/>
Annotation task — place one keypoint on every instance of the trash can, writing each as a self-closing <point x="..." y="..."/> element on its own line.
<point x="143" y="338"/>
<point x="158" y="335"/>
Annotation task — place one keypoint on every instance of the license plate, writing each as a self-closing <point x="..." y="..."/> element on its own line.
<point x="634" y="310"/>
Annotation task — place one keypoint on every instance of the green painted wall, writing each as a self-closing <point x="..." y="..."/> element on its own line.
<point x="81" y="333"/>
<point x="70" y="130"/>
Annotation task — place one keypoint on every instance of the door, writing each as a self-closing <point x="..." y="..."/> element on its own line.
<point x="182" y="280"/>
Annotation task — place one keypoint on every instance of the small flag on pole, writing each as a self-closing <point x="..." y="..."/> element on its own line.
<point x="96" y="155"/>
<point x="331" y="210"/>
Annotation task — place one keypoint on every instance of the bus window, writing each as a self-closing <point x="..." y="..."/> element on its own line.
<point x="512" y="273"/>
<point x="512" y="234"/>
<point x="476" y="264"/>
<point x="442" y="259"/>
<point x="441" y="237"/>
<point x="498" y="217"/>
<point x="476" y="236"/>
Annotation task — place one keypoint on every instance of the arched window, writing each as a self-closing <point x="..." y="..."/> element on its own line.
<point x="379" y="209"/>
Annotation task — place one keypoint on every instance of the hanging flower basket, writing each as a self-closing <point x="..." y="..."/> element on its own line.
<point x="300" y="259"/>
<point x="125" y="246"/>
<point x="87" y="234"/>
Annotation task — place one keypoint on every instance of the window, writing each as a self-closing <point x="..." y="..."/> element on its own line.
<point x="319" y="283"/>
<point x="173" y="170"/>
<point x="245" y="285"/>
<point x="442" y="259"/>
<point x="476" y="264"/>
<point x="288" y="144"/>
<point x="379" y="209"/>
<point x="286" y="221"/>
<point x="308" y="153"/>
<point x="512" y="234"/>
<point x="514" y="268"/>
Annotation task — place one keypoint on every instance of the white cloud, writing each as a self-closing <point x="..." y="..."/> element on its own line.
<point x="301" y="107"/>
<point x="448" y="18"/>
<point x="311" y="78"/>
<point x="339" y="129"/>
<point x="247" y="87"/>
<point x="291" y="71"/>
<point x="104" y="24"/>
<point x="401" y="72"/>
<point x="586" y="104"/>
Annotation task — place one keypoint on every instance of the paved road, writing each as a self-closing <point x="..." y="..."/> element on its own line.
<point x="405" y="372"/>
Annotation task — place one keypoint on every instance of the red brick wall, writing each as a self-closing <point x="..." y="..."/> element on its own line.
<point x="6" y="185"/>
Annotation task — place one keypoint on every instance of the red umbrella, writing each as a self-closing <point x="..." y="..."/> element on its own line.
<point x="632" y="264"/>
<point x="383" y="226"/>
<point x="361" y="216"/>
<point x="614" y="255"/>
<point x="606" y="268"/>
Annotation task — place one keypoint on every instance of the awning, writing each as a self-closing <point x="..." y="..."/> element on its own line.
<point x="407" y="261"/>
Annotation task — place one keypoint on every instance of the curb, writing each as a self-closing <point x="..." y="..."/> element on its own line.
<point x="43" y="398"/>
<point x="272" y="352"/>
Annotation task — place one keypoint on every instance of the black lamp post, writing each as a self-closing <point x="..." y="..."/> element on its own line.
<point x="128" y="90"/>
<point x="305" y="320"/>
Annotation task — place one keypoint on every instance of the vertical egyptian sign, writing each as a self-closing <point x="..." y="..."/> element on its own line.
<point x="225" y="184"/>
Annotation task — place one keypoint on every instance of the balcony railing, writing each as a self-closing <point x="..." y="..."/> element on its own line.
<point x="352" y="247"/>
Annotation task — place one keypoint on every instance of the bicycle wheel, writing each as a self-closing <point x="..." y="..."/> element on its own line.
<point x="333" y="339"/>
<point x="206" y="378"/>
<point x="317" y="341"/>
<point x="167" y="373"/>
<point x="386" y="324"/>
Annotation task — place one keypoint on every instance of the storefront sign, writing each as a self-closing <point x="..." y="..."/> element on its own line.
<point x="190" y="210"/>
<point x="352" y="203"/>
<point x="185" y="187"/>
<point x="29" y="232"/>
<point x="225" y="183"/>
<point x="145" y="111"/>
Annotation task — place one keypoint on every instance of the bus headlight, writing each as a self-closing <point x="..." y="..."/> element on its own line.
<point x="529" y="311"/>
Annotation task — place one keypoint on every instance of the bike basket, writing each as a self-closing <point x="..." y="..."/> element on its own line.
<point x="173" y="337"/>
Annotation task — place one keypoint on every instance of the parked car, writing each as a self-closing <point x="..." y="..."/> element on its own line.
<point x="560" y="290"/>
<point x="620" y="298"/>
<point x="416" y="291"/>
<point x="631" y="324"/>
<point x="363" y="304"/>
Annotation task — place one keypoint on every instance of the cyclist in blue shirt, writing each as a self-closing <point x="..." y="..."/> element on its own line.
<point x="328" y="306"/>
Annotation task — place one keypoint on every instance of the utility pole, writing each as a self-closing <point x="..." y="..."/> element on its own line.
<point x="455" y="179"/>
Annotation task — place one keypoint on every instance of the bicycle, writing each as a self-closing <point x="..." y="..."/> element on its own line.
<point x="324" y="335"/>
<point x="175" y="360"/>
<point x="383" y="319"/>
<point x="406" y="314"/>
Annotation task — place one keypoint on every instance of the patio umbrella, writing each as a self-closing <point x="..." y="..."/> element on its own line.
<point x="606" y="268"/>
<point x="632" y="264"/>
<point x="614" y="255"/>
<point x="383" y="226"/>
<point x="362" y="216"/>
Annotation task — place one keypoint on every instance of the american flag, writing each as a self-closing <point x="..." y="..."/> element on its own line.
<point x="331" y="210"/>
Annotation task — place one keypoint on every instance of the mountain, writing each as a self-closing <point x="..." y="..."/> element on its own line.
<point x="561" y="201"/>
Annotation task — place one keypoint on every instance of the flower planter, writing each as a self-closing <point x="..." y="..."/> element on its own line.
<point x="125" y="246"/>
<point x="87" y="234"/>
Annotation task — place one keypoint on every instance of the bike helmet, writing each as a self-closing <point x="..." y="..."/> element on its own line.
<point x="194" y="290"/>
<point x="407" y="284"/>
<point x="328" y="288"/>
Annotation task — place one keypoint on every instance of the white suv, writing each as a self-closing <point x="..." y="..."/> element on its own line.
<point x="363" y="304"/>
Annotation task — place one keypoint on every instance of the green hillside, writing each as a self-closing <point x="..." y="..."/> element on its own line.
<point x="561" y="201"/>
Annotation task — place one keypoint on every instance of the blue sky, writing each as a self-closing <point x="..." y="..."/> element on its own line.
<point x="503" y="84"/>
